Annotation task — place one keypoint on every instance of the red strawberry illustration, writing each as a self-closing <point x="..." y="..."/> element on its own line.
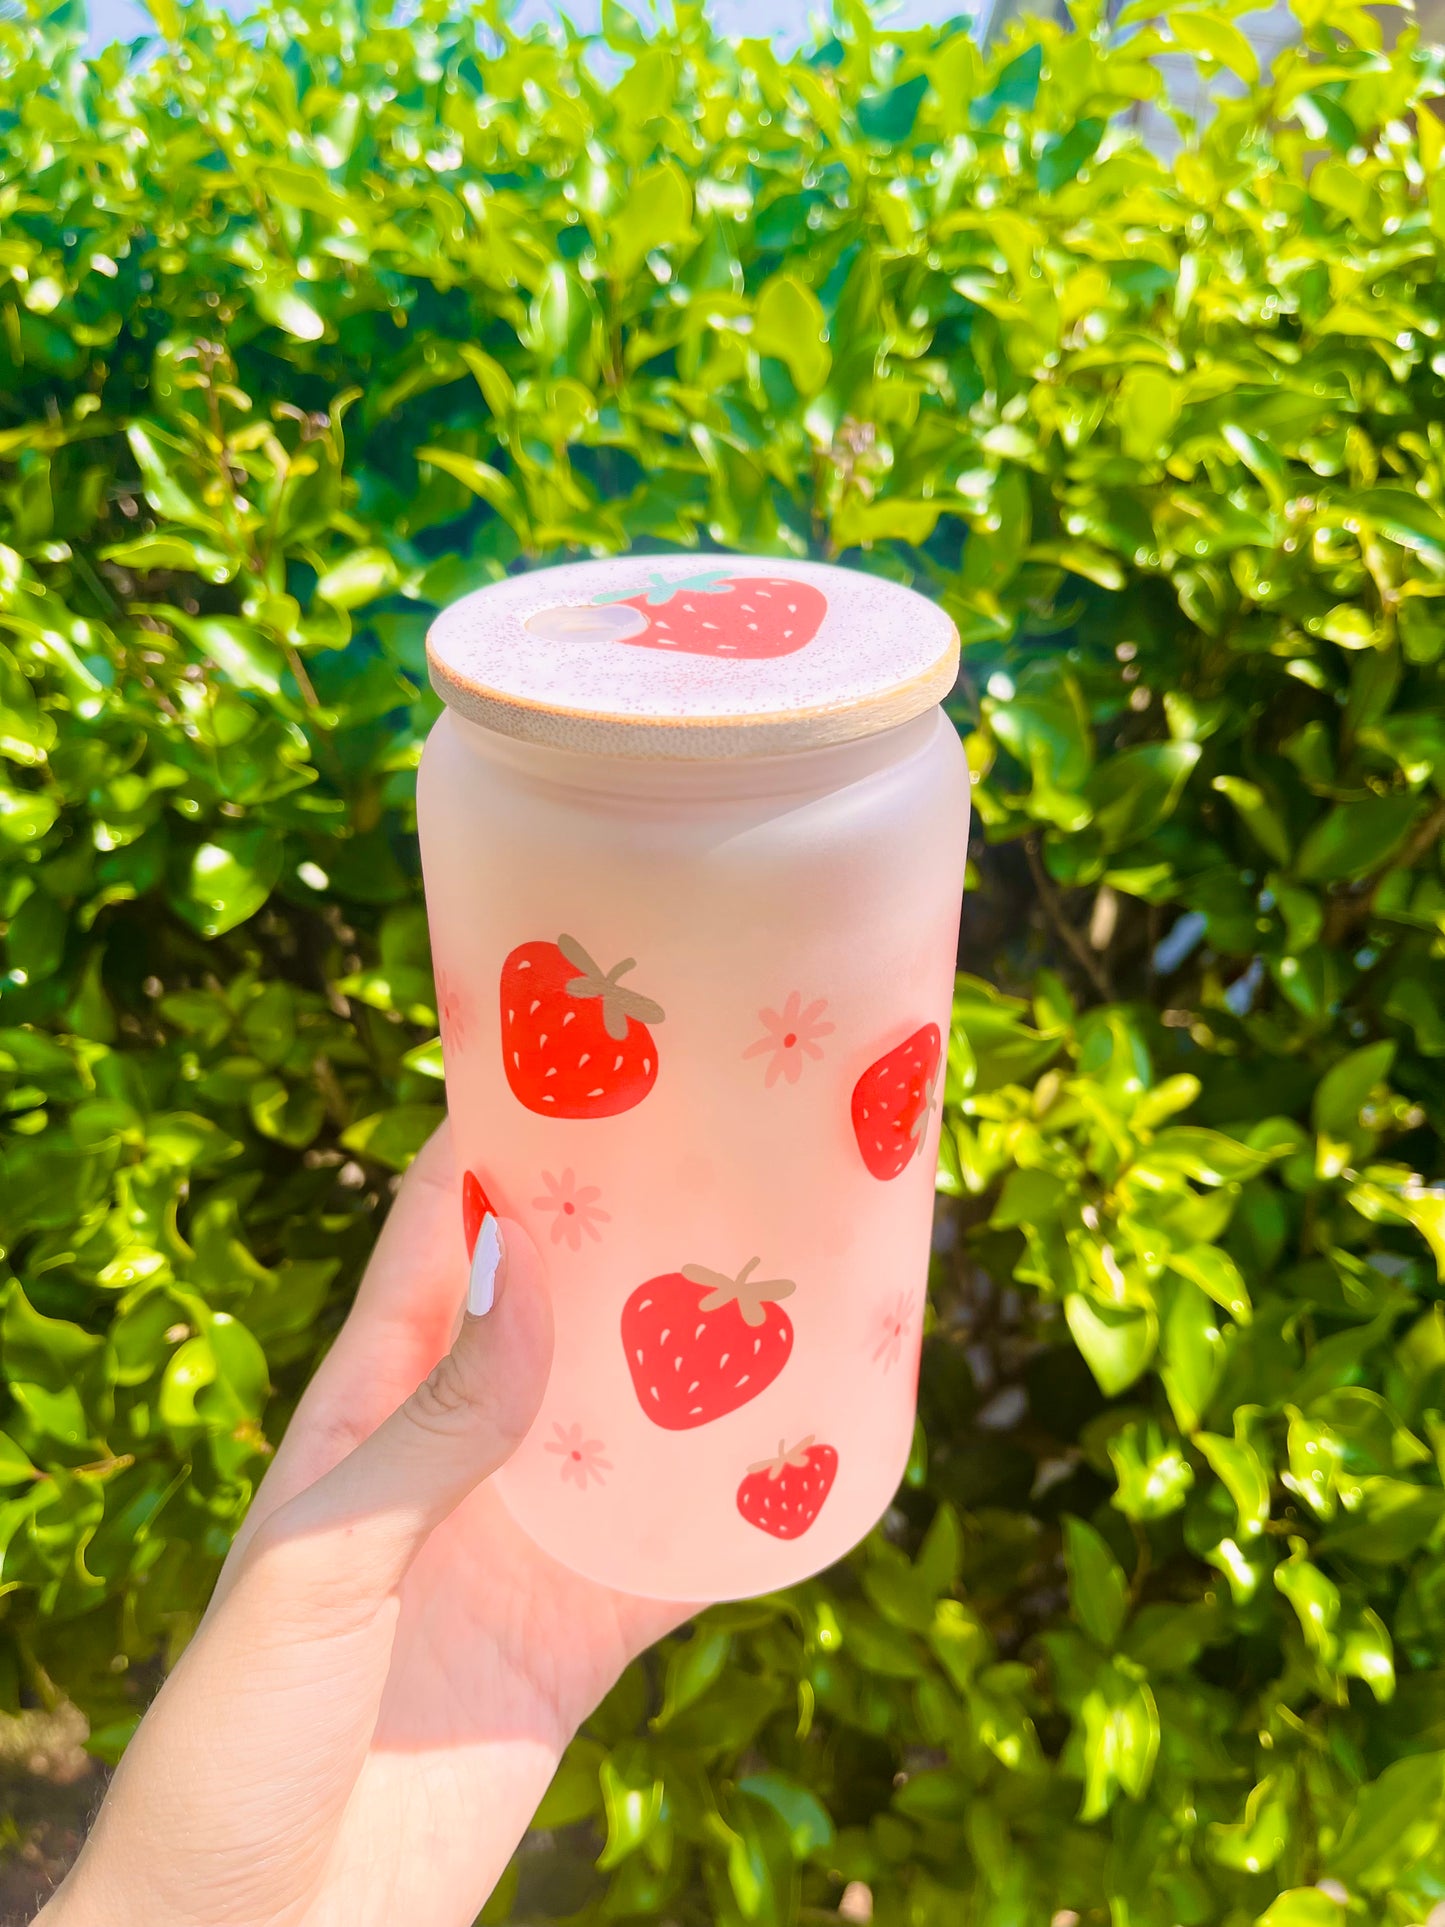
<point x="717" y="614"/>
<point x="575" y="1041"/>
<point x="785" y="1495"/>
<point x="892" y="1101"/>
<point x="475" y="1206"/>
<point x="700" y="1344"/>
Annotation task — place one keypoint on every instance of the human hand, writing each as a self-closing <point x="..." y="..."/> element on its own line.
<point x="382" y="1686"/>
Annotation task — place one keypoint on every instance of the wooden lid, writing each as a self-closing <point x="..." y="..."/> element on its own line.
<point x="692" y="656"/>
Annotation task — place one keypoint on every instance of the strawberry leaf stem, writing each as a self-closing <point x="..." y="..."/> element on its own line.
<point x="661" y="589"/>
<point x="620" y="1003"/>
<point x="752" y="1296"/>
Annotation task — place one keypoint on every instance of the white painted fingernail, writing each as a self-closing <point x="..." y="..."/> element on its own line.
<point x="486" y="1263"/>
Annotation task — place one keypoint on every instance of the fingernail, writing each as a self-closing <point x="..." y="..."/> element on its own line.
<point x="486" y="1267"/>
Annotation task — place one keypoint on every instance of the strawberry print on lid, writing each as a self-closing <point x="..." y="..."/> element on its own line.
<point x="746" y="617"/>
<point x="892" y="1101"/>
<point x="784" y="1495"/>
<point x="700" y="1344"/>
<point x="692" y="657"/>
<point x="575" y="1041"/>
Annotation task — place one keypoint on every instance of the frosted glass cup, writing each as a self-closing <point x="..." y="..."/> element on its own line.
<point x="694" y="843"/>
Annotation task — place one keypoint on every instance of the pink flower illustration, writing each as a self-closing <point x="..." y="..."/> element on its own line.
<point x="581" y="1458"/>
<point x="790" y="1035"/>
<point x="451" y="1012"/>
<point x="892" y="1328"/>
<point x="576" y="1210"/>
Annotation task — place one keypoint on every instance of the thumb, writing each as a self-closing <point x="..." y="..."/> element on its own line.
<point x="357" y="1529"/>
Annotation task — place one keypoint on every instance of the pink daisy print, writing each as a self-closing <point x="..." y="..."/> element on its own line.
<point x="790" y="1036"/>
<point x="581" y="1457"/>
<point x="451" y="1012"/>
<point x="891" y="1330"/>
<point x="575" y="1209"/>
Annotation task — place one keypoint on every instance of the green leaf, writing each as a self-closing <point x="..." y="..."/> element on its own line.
<point x="1355" y="838"/>
<point x="393" y="1137"/>
<point x="45" y="1351"/>
<point x="1064" y="155"/>
<point x="35" y="940"/>
<point x="1209" y="1157"/>
<point x="803" y="1814"/>
<point x="789" y="323"/>
<point x="1257" y="1841"/>
<point x="1154" y="1475"/>
<point x="633" y="1805"/>
<point x="1366" y="1651"/>
<point x="288" y="309"/>
<point x="657" y="213"/>
<point x="1393" y="1825"/>
<point x="1402" y="518"/>
<point x="1416" y="1205"/>
<point x="1343" y="1090"/>
<point x="287" y="1116"/>
<point x="1135" y="791"/>
<point x="890" y="116"/>
<point x="483" y="480"/>
<point x="1215" y="1273"/>
<point x="1015" y="90"/>
<point x="26" y="815"/>
<point x="1121" y="1732"/>
<point x="1239" y="1468"/>
<point x="171" y="551"/>
<point x="1145" y="409"/>
<point x="1098" y="1590"/>
<point x="160" y="461"/>
<point x="227" y="879"/>
<point x="1117" y="1341"/>
<point x="890" y="519"/>
<point x="246" y="655"/>
<point x="1302" y="1907"/>
<point x="358" y="578"/>
<point x="575" y="1793"/>
<point x="1323" y="119"/>
<point x="691" y="1670"/>
<point x="1392" y="1519"/>
<point x="1316" y="1600"/>
<point x="1217" y="39"/>
<point x="1262" y="820"/>
<point x="188" y="1142"/>
<point x="1194" y="1353"/>
<point x="15" y="1467"/>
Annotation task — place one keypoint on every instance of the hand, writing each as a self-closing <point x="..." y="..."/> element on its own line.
<point x="381" y="1689"/>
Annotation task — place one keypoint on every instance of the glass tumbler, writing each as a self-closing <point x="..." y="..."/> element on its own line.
<point x="693" y="843"/>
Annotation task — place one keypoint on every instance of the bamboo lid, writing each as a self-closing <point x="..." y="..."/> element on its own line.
<point x="692" y="656"/>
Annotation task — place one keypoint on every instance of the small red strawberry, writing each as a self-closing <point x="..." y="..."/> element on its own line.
<point x="575" y="1042"/>
<point x="892" y="1101"/>
<point x="475" y="1206"/>
<point x="784" y="1495"/>
<point x="717" y="614"/>
<point x="700" y="1344"/>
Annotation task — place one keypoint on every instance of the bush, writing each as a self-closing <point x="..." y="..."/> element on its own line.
<point x="311" y="326"/>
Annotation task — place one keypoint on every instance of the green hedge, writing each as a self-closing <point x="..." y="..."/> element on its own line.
<point x="307" y="328"/>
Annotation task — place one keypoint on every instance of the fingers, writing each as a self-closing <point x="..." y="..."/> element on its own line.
<point x="421" y="1241"/>
<point x="401" y="1323"/>
<point x="351" y="1536"/>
